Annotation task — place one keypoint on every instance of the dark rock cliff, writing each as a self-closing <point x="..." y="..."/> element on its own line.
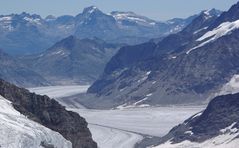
<point x="49" y="113"/>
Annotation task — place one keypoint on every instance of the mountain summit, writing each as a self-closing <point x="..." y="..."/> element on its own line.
<point x="91" y="9"/>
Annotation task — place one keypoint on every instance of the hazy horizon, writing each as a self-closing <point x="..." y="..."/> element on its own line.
<point x="158" y="10"/>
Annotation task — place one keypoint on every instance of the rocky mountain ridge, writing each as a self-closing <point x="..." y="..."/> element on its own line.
<point x="216" y="126"/>
<point x="72" y="60"/>
<point x="183" y="68"/>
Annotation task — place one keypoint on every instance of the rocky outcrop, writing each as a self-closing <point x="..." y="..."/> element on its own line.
<point x="50" y="114"/>
<point x="221" y="113"/>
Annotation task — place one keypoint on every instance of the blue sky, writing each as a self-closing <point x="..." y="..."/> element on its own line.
<point x="156" y="9"/>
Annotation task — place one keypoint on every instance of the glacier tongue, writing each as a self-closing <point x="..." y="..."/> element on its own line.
<point x="17" y="131"/>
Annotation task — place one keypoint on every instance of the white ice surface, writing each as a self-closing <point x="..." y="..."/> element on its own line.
<point x="60" y="91"/>
<point x="132" y="17"/>
<point x="150" y="121"/>
<point x="108" y="127"/>
<point x="16" y="131"/>
<point x="113" y="138"/>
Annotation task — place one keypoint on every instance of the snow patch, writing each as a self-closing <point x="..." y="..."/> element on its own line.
<point x="230" y="129"/>
<point x="154" y="82"/>
<point x="222" y="30"/>
<point x="173" y="57"/>
<point x="122" y="89"/>
<point x="176" y="28"/>
<point x="148" y="73"/>
<point x="231" y="87"/>
<point x="93" y="9"/>
<point x="140" y="101"/>
<point x="60" y="53"/>
<point x="31" y="20"/>
<point x="188" y="132"/>
<point x="145" y="77"/>
<point x="120" y="16"/>
<point x="6" y="18"/>
<point x="200" y="30"/>
<point x="197" y="115"/>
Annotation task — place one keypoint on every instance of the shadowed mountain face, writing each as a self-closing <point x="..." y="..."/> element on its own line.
<point x="183" y="68"/>
<point x="13" y="71"/>
<point x="220" y="118"/>
<point x="23" y="33"/>
<point x="72" y="61"/>
<point x="50" y="114"/>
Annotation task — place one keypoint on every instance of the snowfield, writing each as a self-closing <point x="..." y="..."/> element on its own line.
<point x="16" y="131"/>
<point x="223" y="29"/>
<point x="148" y="121"/>
<point x="126" y="127"/>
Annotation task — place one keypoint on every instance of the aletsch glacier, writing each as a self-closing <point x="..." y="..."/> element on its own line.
<point x="146" y="91"/>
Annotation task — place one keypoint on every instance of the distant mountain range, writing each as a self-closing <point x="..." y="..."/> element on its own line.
<point x="184" y="68"/>
<point x="69" y="61"/>
<point x="18" y="73"/>
<point x="26" y="34"/>
<point x="72" y="60"/>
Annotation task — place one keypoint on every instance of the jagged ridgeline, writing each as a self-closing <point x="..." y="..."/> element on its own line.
<point x="24" y="33"/>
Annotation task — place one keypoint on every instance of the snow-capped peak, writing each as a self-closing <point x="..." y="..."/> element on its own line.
<point x="90" y="10"/>
<point x="50" y="18"/>
<point x="6" y="22"/>
<point x="5" y="18"/>
<point x="132" y="17"/>
<point x="211" y="13"/>
<point x="33" y="20"/>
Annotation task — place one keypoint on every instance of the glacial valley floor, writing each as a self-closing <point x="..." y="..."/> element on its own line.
<point x="125" y="127"/>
